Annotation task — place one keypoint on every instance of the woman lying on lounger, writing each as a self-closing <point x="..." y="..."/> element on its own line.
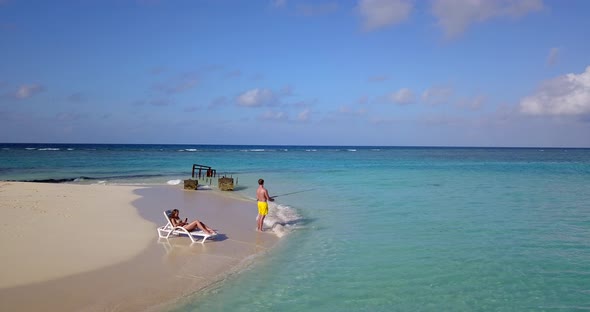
<point x="189" y="226"/>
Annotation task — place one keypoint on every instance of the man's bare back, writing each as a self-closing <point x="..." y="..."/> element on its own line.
<point x="262" y="194"/>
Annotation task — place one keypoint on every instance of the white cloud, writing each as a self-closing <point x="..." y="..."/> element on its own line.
<point x="454" y="16"/>
<point x="437" y="95"/>
<point x="343" y="109"/>
<point x="185" y="85"/>
<point x="346" y="110"/>
<point x="181" y="84"/>
<point x="474" y="103"/>
<point x="402" y="96"/>
<point x="270" y="115"/>
<point x="565" y="95"/>
<point x="304" y="115"/>
<point x="256" y="97"/>
<point x="278" y="3"/>
<point x="69" y="116"/>
<point x="26" y="91"/>
<point x="317" y="9"/>
<point x="381" y="13"/>
<point x="380" y="120"/>
<point x="191" y="109"/>
<point x="553" y="56"/>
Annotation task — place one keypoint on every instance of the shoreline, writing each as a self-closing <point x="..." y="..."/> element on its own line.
<point x="160" y="275"/>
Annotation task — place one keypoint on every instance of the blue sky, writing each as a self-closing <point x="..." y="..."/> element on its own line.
<point x="367" y="72"/>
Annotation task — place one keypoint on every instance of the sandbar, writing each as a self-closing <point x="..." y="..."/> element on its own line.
<point x="95" y="247"/>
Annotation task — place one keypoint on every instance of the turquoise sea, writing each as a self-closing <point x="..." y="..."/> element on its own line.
<point x="376" y="228"/>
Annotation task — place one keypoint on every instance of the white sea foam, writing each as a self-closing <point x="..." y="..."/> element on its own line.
<point x="351" y="150"/>
<point x="173" y="182"/>
<point x="281" y="219"/>
<point x="30" y="148"/>
<point x="78" y="179"/>
<point x="49" y="149"/>
<point x="191" y="149"/>
<point x="101" y="182"/>
<point x="70" y="149"/>
<point x="311" y="150"/>
<point x="204" y="187"/>
<point x="255" y="150"/>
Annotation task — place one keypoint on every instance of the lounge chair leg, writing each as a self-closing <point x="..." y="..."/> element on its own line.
<point x="188" y="233"/>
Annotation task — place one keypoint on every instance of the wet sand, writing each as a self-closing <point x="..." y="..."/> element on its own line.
<point x="144" y="273"/>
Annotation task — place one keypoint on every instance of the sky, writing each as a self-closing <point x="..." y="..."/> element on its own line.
<point x="288" y="72"/>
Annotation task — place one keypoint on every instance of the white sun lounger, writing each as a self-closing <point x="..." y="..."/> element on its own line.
<point x="168" y="229"/>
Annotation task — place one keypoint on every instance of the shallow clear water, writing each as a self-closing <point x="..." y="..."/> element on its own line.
<point x="379" y="229"/>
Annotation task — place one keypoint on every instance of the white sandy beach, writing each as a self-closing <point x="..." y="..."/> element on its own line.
<point x="52" y="230"/>
<point x="97" y="246"/>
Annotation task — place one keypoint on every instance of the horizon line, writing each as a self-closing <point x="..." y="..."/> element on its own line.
<point x="313" y="145"/>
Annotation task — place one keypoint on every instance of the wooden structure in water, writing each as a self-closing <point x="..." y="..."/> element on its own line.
<point x="208" y="171"/>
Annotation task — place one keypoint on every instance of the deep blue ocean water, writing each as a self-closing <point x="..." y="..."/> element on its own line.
<point x="377" y="228"/>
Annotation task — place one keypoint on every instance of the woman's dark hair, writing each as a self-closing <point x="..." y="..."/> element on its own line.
<point x="260" y="181"/>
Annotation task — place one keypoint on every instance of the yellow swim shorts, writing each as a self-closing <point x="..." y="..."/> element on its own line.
<point x="262" y="208"/>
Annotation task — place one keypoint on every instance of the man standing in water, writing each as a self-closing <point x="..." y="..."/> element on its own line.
<point x="263" y="198"/>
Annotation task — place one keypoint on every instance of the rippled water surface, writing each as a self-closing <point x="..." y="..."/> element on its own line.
<point x="380" y="229"/>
